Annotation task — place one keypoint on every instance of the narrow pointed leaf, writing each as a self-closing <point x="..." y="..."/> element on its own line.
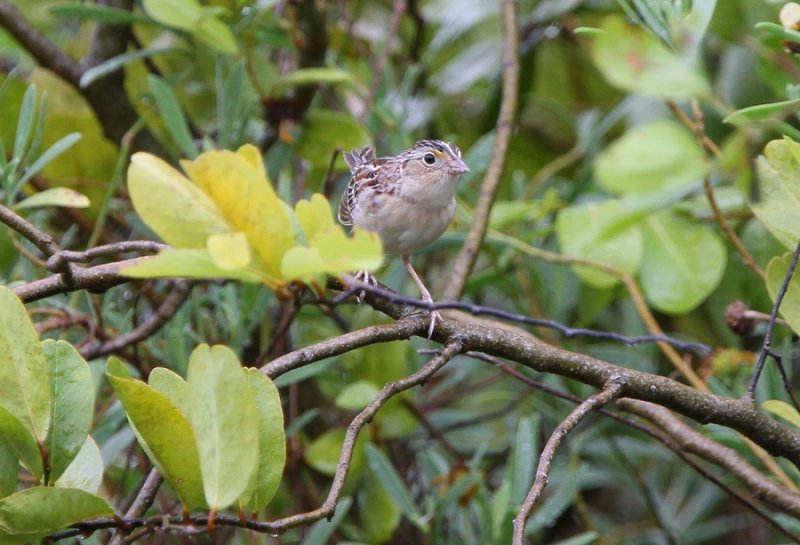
<point x="172" y="114"/>
<point x="387" y="475"/>
<point x="271" y="441"/>
<point x="72" y="409"/>
<point x="55" y="196"/>
<point x="223" y="416"/>
<point x="163" y="432"/>
<point x="24" y="382"/>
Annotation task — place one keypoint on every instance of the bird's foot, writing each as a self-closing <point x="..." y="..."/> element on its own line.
<point x="367" y="278"/>
<point x="434" y="314"/>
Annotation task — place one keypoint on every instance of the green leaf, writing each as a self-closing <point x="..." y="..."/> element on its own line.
<point x="85" y="471"/>
<point x="778" y="31"/>
<point x="181" y="14"/>
<point x="683" y="262"/>
<point x="323" y="132"/>
<point x="214" y="33"/>
<point x="591" y="231"/>
<point x="51" y="153"/>
<point x="21" y="442"/>
<point x="229" y="104"/>
<point x="322" y="530"/>
<point x="171" y="385"/>
<point x="24" y="383"/>
<point x="387" y="475"/>
<point x="790" y="307"/>
<point x="379" y="513"/>
<point x="172" y="114"/>
<point x="115" y="63"/>
<point x="41" y="510"/>
<point x="9" y="464"/>
<point x="157" y="190"/>
<point x="55" y="196"/>
<point x="163" y="432"/>
<point x="313" y="76"/>
<point x="630" y="166"/>
<point x="778" y="204"/>
<point x="761" y="112"/>
<point x="27" y="111"/>
<point x="323" y="453"/>
<point x="72" y="408"/>
<point x="586" y="538"/>
<point x="635" y="60"/>
<point x="100" y="14"/>
<point x="357" y="395"/>
<point x="271" y="441"/>
<point x="784" y="410"/>
<point x="524" y="456"/>
<point x="223" y="416"/>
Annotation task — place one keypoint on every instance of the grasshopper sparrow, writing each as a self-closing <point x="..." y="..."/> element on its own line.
<point x="408" y="199"/>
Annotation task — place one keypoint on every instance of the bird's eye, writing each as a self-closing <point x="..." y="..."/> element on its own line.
<point x="429" y="158"/>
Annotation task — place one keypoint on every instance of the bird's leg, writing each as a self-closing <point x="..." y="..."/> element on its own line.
<point x="367" y="278"/>
<point x="426" y="295"/>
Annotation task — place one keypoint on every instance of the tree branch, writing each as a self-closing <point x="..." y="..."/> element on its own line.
<point x="612" y="390"/>
<point x="505" y="120"/>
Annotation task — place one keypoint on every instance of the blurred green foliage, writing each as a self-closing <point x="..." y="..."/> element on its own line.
<point x="598" y="168"/>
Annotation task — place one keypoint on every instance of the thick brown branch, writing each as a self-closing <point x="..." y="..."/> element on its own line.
<point x="690" y="440"/>
<point x="505" y="121"/>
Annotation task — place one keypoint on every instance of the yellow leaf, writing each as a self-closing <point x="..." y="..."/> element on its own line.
<point x="229" y="250"/>
<point x="238" y="184"/>
<point x="177" y="210"/>
<point x="195" y="264"/>
<point x="314" y="215"/>
<point x="333" y="252"/>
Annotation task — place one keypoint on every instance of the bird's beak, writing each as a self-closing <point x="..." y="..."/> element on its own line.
<point x="457" y="166"/>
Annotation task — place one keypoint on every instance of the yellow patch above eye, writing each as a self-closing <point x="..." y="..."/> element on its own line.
<point x="438" y="153"/>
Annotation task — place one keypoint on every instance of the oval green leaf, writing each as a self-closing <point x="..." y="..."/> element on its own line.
<point x="784" y="410"/>
<point x="72" y="409"/>
<point x="24" y="377"/>
<point x="589" y="232"/>
<point x="163" y="431"/>
<point x="271" y="441"/>
<point x="41" y="510"/>
<point x="85" y="471"/>
<point x="22" y="443"/>
<point x="778" y="203"/>
<point x="172" y="385"/>
<point x="223" y="416"/>
<point x="682" y="264"/>
<point x="635" y="60"/>
<point x="630" y="166"/>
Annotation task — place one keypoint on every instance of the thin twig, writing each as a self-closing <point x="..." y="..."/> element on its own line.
<point x="41" y="240"/>
<point x="355" y="287"/>
<point x="697" y="127"/>
<point x="178" y="295"/>
<point x="765" y="347"/>
<point x="142" y="502"/>
<point x="388" y="391"/>
<point x="682" y="440"/>
<point x="612" y="390"/>
<point x="399" y="330"/>
<point x="505" y="121"/>
<point x="56" y="261"/>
